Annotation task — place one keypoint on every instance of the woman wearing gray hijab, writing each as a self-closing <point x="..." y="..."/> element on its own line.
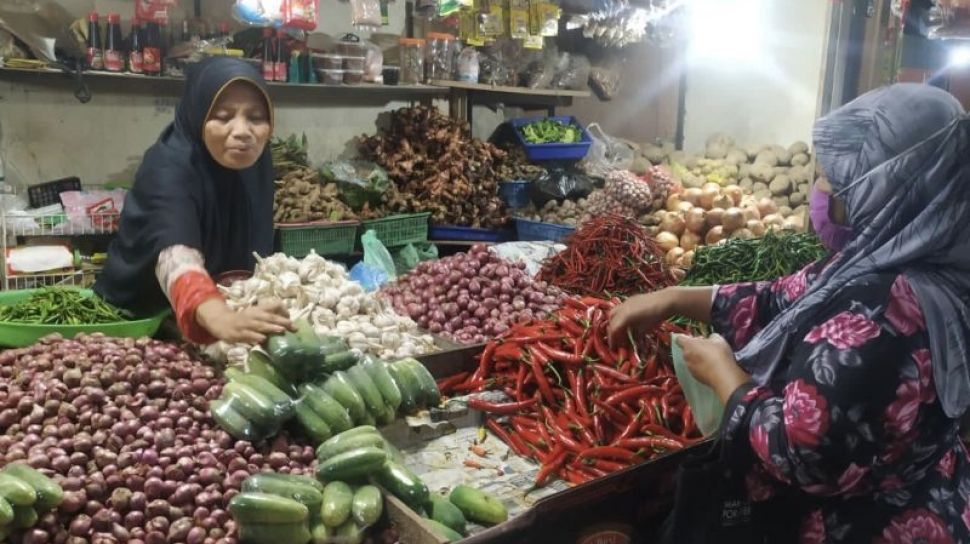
<point x="845" y="382"/>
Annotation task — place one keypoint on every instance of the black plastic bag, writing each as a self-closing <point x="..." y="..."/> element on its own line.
<point x="561" y="183"/>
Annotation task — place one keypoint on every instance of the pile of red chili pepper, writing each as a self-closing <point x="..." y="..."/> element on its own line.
<point x="609" y="255"/>
<point x="579" y="408"/>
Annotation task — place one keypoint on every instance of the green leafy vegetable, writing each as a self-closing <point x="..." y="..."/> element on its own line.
<point x="551" y="131"/>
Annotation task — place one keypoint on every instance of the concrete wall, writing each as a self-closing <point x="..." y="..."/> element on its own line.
<point x="769" y="98"/>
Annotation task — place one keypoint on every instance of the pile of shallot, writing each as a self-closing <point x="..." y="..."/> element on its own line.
<point x="471" y="297"/>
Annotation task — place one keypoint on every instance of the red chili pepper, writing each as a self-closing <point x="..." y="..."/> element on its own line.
<point x="530" y="436"/>
<point x="571" y="327"/>
<point x="608" y="452"/>
<point x="501" y="407"/>
<point x="574" y="476"/>
<point x="525" y="421"/>
<point x="559" y="355"/>
<point x="642" y="442"/>
<point x="611" y="412"/>
<point x="576" y="303"/>
<point x="612" y="373"/>
<point x="538" y="360"/>
<point x="579" y="391"/>
<point x="598" y="429"/>
<point x="654" y="429"/>
<point x="446" y="384"/>
<point x="551" y="466"/>
<point x="601" y="350"/>
<point x="632" y="393"/>
<point x="609" y="466"/>
<point x="631" y="427"/>
<point x="471" y="385"/>
<point x="504" y="436"/>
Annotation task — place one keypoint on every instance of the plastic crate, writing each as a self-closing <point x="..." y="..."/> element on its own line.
<point x="534" y="231"/>
<point x="515" y="194"/>
<point x="467" y="234"/>
<point x="399" y="230"/>
<point x="553" y="152"/>
<point x="326" y="238"/>
<point x="49" y="193"/>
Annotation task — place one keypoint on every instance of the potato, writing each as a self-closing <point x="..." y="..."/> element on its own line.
<point x="719" y="138"/>
<point x="668" y="147"/>
<point x="798" y="147"/>
<point x="762" y="172"/>
<point x="690" y="161"/>
<point x="736" y="157"/>
<point x="752" y="151"/>
<point x="677" y="157"/>
<point x="766" y="157"/>
<point x="797" y="198"/>
<point x="800" y="159"/>
<point x="759" y="186"/>
<point x="780" y="186"/>
<point x="804" y="187"/>
<point x="783" y="155"/>
<point x="653" y="153"/>
<point x="715" y="151"/>
<point x="744" y="170"/>
<point x="747" y="185"/>
<point x="640" y="166"/>
<point x="781" y="201"/>
<point x="763" y="193"/>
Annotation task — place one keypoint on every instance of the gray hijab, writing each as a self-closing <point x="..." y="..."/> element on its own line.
<point x="900" y="159"/>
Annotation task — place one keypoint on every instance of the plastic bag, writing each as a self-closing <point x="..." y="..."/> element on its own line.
<point x="258" y="12"/>
<point x="366" y="13"/>
<point x="373" y="63"/>
<point x="559" y="184"/>
<point x="606" y="153"/>
<point x="531" y="253"/>
<point x="468" y="67"/>
<point x="410" y="255"/>
<point x="605" y="80"/>
<point x="572" y="72"/>
<point x="704" y="404"/>
<point x="44" y="27"/>
<point x="300" y="14"/>
<point x="360" y="182"/>
<point x="377" y="268"/>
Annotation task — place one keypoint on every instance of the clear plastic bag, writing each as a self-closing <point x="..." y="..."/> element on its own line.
<point x="606" y="153"/>
<point x="373" y="63"/>
<point x="360" y="182"/>
<point x="468" y="68"/>
<point x="572" y="72"/>
<point x="366" y="13"/>
<point x="605" y="80"/>
<point x="704" y="403"/>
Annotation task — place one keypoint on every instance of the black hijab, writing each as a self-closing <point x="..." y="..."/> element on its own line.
<point x="182" y="196"/>
<point x="900" y="159"/>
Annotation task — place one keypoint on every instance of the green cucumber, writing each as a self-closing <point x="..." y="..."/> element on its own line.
<point x="283" y="403"/>
<point x="384" y="382"/>
<point x="368" y="391"/>
<point x="329" y="410"/>
<point x="338" y="500"/>
<point x="16" y="491"/>
<point x="387" y="416"/>
<point x="254" y="507"/>
<point x="429" y="388"/>
<point x="49" y="494"/>
<point x="478" y="506"/>
<point x="352" y="464"/>
<point x="404" y="484"/>
<point x="24" y="517"/>
<point x="368" y="505"/>
<point x="251" y="404"/>
<point x="349" y="440"/>
<point x="447" y="514"/>
<point x="313" y="425"/>
<point x="273" y="533"/>
<point x="302" y="489"/>
<point x="444" y="531"/>
<point x="407" y="384"/>
<point x="320" y="533"/>
<point x="6" y="512"/>
<point x="350" y="533"/>
<point x="288" y="355"/>
<point x="339" y="360"/>
<point x="368" y="419"/>
<point x="259" y="364"/>
<point x="341" y="388"/>
<point x="229" y="420"/>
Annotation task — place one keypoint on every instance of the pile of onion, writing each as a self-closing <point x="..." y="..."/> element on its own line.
<point x="471" y="297"/>
<point x="705" y="216"/>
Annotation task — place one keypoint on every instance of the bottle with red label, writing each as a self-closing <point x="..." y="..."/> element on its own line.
<point x="281" y="56"/>
<point x="152" y="49"/>
<point x="114" y="49"/>
<point x="269" y="55"/>
<point x="135" y="48"/>
<point x="95" y="57"/>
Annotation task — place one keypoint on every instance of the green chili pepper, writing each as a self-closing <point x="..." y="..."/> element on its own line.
<point x="761" y="259"/>
<point x="61" y="306"/>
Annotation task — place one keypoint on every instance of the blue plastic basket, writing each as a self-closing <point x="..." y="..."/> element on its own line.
<point x="515" y="194"/>
<point x="553" y="152"/>
<point x="467" y="234"/>
<point x="534" y="231"/>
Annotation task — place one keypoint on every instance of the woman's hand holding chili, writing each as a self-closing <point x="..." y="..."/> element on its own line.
<point x="711" y="361"/>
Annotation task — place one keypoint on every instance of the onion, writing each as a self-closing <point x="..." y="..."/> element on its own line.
<point x="795" y="223"/>
<point x="690" y="240"/>
<point x="723" y="201"/>
<point x="715" y="235"/>
<point x="687" y="259"/>
<point x="683" y="207"/>
<point x="708" y="194"/>
<point x="773" y="220"/>
<point x="692" y="195"/>
<point x="714" y="217"/>
<point x="672" y="202"/>
<point x="767" y="206"/>
<point x="673" y="223"/>
<point x="674" y="255"/>
<point x="734" y="192"/>
<point x="695" y="220"/>
<point x="667" y="241"/>
<point x="732" y="219"/>
<point x="743" y="234"/>
<point x="756" y="227"/>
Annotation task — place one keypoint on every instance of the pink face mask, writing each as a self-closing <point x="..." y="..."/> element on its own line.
<point x="833" y="236"/>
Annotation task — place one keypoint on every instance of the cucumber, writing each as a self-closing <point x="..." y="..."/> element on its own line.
<point x="407" y="384"/>
<point x="230" y="421"/>
<point x="24" y="517"/>
<point x="16" y="491"/>
<point x="255" y="507"/>
<point x="49" y="494"/>
<point x="329" y="410"/>
<point x="302" y="489"/>
<point x="283" y="403"/>
<point x="313" y="425"/>
<point x="385" y="384"/>
<point x="446" y="513"/>
<point x="404" y="484"/>
<point x="339" y="360"/>
<point x="6" y="512"/>
<point x="260" y="364"/>
<point x="251" y="404"/>
<point x="478" y="506"/>
<point x="338" y="499"/>
<point x="345" y="442"/>
<point x="273" y="533"/>
<point x="320" y="534"/>
<point x="340" y="387"/>
<point x="429" y="388"/>
<point x="288" y="355"/>
<point x="350" y="533"/>
<point x="387" y="416"/>
<point x="352" y="464"/>
<point x="444" y="531"/>
<point x="368" y="419"/>
<point x="368" y="391"/>
<point x="368" y="505"/>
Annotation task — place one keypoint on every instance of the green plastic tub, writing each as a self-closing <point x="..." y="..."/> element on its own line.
<point x="17" y="335"/>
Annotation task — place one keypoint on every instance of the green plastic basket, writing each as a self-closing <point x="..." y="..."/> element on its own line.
<point x="399" y="230"/>
<point x="18" y="335"/>
<point x="330" y="238"/>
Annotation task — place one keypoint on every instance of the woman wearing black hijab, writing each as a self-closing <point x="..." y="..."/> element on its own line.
<point x="844" y="384"/>
<point x="201" y="205"/>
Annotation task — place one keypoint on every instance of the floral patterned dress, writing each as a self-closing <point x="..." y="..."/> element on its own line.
<point x="853" y="421"/>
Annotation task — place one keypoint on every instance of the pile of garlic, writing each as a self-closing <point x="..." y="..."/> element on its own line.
<point x="322" y="292"/>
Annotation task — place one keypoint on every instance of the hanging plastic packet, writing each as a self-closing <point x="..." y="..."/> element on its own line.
<point x="519" y="19"/>
<point x="154" y="10"/>
<point x="301" y="14"/>
<point x="262" y="13"/>
<point x="366" y="13"/>
<point x="447" y="8"/>
<point x="491" y="19"/>
<point x="550" y="20"/>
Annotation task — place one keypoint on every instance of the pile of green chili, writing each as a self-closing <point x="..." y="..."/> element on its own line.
<point x="61" y="306"/>
<point x="760" y="259"/>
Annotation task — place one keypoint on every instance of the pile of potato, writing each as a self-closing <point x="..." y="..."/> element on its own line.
<point x="785" y="175"/>
<point x="567" y="212"/>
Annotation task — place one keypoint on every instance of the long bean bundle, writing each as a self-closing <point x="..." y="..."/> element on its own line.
<point x="760" y="259"/>
<point x="61" y="306"/>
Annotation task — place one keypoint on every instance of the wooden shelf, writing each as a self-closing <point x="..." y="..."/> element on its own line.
<point x="499" y="89"/>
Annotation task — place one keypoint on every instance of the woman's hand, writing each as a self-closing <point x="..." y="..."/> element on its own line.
<point x="247" y="326"/>
<point x="638" y="314"/>
<point x="712" y="362"/>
